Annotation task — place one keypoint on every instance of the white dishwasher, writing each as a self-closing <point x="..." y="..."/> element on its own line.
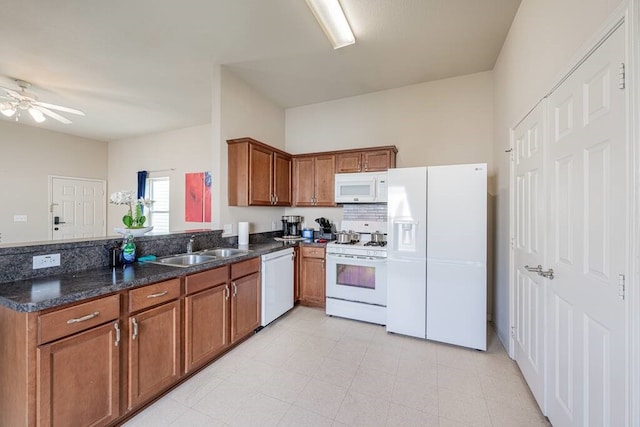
<point x="277" y="284"/>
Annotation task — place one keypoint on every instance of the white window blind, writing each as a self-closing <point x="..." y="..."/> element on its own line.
<point x="158" y="190"/>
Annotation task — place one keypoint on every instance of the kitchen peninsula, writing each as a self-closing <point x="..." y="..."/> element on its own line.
<point x="96" y="345"/>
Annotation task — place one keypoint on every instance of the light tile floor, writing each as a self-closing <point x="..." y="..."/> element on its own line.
<point x="308" y="369"/>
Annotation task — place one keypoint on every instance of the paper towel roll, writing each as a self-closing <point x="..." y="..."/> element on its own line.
<point x="243" y="233"/>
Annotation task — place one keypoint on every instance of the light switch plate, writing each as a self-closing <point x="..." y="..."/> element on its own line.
<point x="19" y="218"/>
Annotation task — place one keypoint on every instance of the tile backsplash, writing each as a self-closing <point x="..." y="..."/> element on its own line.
<point x="365" y="212"/>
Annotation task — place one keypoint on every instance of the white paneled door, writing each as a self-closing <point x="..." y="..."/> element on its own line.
<point x="528" y="331"/>
<point x="77" y="208"/>
<point x="587" y="232"/>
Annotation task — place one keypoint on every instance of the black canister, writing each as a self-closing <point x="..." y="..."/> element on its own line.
<point x="115" y="257"/>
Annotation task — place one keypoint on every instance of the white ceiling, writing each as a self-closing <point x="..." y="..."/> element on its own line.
<point x="144" y="66"/>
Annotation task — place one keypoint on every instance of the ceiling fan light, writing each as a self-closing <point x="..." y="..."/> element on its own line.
<point x="7" y="109"/>
<point x="37" y="115"/>
<point x="333" y="21"/>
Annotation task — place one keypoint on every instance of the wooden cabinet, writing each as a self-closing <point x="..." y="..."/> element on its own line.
<point x="96" y="362"/>
<point x="79" y="376"/>
<point x="312" y="276"/>
<point x="245" y="298"/>
<point x="258" y="175"/>
<point x="366" y="160"/>
<point x="206" y="316"/>
<point x="154" y="341"/>
<point x="313" y="180"/>
<point x="261" y="175"/>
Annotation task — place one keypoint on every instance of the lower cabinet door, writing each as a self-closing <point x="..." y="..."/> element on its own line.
<point x="78" y="379"/>
<point x="206" y="325"/>
<point x="154" y="352"/>
<point x="245" y="306"/>
<point x="312" y="282"/>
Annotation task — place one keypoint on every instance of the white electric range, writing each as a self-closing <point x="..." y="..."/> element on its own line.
<point x="356" y="275"/>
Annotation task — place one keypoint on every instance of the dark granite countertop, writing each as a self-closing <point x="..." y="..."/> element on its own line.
<point x="57" y="290"/>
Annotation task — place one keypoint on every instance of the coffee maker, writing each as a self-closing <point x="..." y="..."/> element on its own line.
<point x="291" y="226"/>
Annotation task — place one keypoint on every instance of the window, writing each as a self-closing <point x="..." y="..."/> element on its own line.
<point x="158" y="214"/>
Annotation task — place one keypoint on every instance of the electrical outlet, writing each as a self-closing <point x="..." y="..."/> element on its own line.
<point x="19" y="218"/>
<point x="227" y="229"/>
<point x="46" y="261"/>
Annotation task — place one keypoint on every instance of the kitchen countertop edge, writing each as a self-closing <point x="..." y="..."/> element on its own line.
<point x="31" y="295"/>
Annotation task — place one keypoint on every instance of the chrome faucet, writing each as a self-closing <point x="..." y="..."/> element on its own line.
<point x="190" y="244"/>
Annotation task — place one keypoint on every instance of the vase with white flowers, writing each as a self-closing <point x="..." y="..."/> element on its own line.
<point x="134" y="219"/>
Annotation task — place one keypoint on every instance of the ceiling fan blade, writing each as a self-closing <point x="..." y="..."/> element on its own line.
<point x="51" y="114"/>
<point x="12" y="92"/>
<point x="58" y="108"/>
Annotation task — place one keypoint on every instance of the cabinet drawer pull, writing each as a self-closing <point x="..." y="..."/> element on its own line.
<point x="135" y="328"/>
<point x="157" y="295"/>
<point x="117" y="328"/>
<point x="226" y="291"/>
<point x="235" y="288"/>
<point x="83" y="318"/>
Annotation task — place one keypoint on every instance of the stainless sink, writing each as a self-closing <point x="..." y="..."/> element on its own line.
<point x="225" y="252"/>
<point x="185" y="260"/>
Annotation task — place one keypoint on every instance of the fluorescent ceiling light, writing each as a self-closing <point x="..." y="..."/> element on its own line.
<point x="333" y="22"/>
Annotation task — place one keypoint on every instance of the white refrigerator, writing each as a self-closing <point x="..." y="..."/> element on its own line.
<point x="437" y="256"/>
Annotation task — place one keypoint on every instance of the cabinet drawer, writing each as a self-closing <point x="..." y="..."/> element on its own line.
<point x="311" y="252"/>
<point x="153" y="294"/>
<point x="207" y="279"/>
<point x="67" y="321"/>
<point x="244" y="268"/>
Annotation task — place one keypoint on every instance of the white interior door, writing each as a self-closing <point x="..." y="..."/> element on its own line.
<point x="529" y="197"/>
<point x="587" y="240"/>
<point x="80" y="205"/>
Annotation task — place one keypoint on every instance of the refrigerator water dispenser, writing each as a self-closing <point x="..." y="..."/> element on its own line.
<point x="406" y="232"/>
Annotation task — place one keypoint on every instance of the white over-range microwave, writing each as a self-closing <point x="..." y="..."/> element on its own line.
<point x="361" y="187"/>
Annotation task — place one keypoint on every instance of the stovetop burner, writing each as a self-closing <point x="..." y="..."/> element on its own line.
<point x="381" y="244"/>
<point x="352" y="242"/>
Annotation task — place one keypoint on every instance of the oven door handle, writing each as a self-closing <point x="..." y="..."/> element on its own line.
<point x="357" y="257"/>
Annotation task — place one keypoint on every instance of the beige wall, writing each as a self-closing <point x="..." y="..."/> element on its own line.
<point x="28" y="156"/>
<point x="543" y="39"/>
<point x="185" y="150"/>
<point x="243" y="112"/>
<point x="435" y="123"/>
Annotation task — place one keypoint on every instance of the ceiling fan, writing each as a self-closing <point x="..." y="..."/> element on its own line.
<point x="13" y="102"/>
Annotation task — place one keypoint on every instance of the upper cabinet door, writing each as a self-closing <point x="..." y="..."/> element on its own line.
<point x="325" y="169"/>
<point x="282" y="180"/>
<point x="375" y="161"/>
<point x="260" y="176"/>
<point x="349" y="162"/>
<point x="366" y="160"/>
<point x="303" y="181"/>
